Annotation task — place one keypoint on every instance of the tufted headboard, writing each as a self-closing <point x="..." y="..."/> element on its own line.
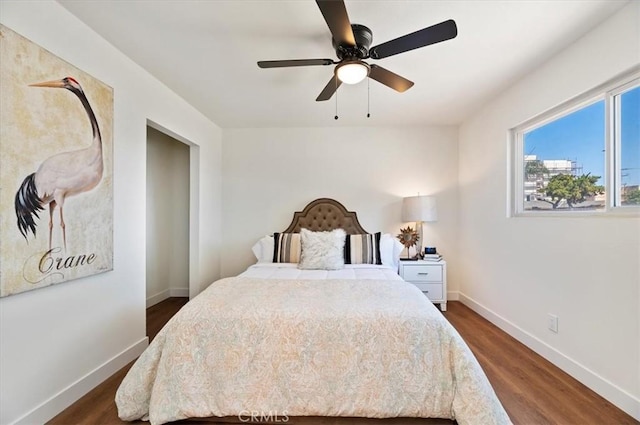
<point x="325" y="214"/>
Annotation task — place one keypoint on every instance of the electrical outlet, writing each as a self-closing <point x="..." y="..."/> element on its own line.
<point x="553" y="323"/>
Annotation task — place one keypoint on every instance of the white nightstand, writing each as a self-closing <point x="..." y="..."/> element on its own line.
<point x="430" y="277"/>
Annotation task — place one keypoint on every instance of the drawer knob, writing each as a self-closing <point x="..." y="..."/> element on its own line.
<point x="424" y="273"/>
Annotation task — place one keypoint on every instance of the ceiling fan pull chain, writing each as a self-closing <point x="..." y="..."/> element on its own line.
<point x="336" y="80"/>
<point x="368" y="98"/>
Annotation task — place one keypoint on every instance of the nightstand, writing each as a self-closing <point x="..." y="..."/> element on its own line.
<point x="430" y="277"/>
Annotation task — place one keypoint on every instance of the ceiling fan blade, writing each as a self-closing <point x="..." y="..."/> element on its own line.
<point x="335" y="14"/>
<point x="329" y="89"/>
<point x="431" y="35"/>
<point x="294" y="62"/>
<point x="390" y="79"/>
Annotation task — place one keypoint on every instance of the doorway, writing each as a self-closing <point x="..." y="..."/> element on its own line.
<point x="168" y="217"/>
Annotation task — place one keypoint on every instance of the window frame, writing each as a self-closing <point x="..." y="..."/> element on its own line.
<point x="616" y="157"/>
<point x="609" y="93"/>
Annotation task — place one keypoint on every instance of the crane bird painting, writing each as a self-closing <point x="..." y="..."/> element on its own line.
<point x="61" y="175"/>
<point x="56" y="165"/>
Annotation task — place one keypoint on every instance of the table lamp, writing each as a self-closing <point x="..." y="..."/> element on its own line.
<point x="419" y="209"/>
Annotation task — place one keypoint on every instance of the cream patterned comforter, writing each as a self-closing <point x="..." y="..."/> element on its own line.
<point x="308" y="348"/>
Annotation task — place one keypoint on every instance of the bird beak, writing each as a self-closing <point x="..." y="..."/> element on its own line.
<point x="57" y="84"/>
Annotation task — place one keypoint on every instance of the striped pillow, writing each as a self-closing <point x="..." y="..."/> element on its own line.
<point x="362" y="249"/>
<point x="286" y="247"/>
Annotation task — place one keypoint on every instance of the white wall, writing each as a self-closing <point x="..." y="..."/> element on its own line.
<point x="585" y="270"/>
<point x="167" y="217"/>
<point x="270" y="173"/>
<point x="57" y="342"/>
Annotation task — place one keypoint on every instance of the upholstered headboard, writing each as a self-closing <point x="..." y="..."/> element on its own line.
<point x="325" y="214"/>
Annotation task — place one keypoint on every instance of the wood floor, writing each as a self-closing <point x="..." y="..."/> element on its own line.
<point x="531" y="389"/>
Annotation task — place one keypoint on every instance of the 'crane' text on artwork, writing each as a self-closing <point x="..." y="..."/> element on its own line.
<point x="54" y="264"/>
<point x="49" y="262"/>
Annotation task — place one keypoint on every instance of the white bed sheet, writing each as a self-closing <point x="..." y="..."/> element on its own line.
<point x="291" y="271"/>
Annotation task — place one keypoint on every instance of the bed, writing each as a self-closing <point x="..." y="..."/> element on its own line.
<point x="280" y="342"/>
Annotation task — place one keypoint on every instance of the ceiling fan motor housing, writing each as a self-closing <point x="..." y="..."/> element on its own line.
<point x="363" y="37"/>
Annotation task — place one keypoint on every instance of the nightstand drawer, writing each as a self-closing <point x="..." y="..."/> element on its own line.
<point x="432" y="290"/>
<point x="423" y="273"/>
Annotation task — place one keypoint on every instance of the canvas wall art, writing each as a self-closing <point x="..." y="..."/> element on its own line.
<point x="56" y="169"/>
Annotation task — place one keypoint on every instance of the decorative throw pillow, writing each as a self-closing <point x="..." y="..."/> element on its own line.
<point x="286" y="247"/>
<point x="362" y="249"/>
<point x="322" y="250"/>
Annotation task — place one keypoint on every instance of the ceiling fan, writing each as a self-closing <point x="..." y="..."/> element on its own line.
<point x="351" y="43"/>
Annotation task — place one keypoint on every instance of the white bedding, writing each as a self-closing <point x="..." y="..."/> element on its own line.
<point x="291" y="271"/>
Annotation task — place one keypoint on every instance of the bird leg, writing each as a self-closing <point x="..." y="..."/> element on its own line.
<point x="64" y="232"/>
<point x="52" y="206"/>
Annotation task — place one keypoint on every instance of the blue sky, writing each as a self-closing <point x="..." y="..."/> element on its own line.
<point x="580" y="137"/>
<point x="631" y="137"/>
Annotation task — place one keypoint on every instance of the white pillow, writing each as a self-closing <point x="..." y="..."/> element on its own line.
<point x="263" y="250"/>
<point x="390" y="250"/>
<point x="322" y="250"/>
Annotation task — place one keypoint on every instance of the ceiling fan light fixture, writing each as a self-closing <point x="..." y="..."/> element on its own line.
<point x="352" y="72"/>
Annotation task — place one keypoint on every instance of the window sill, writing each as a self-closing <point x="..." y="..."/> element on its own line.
<point x="618" y="212"/>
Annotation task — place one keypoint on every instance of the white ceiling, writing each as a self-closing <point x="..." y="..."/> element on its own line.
<point x="206" y="51"/>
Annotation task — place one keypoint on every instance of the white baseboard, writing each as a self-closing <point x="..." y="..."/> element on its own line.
<point x="159" y="297"/>
<point x="605" y="388"/>
<point x="65" y="398"/>
<point x="167" y="293"/>
<point x="453" y="296"/>
<point x="179" y="292"/>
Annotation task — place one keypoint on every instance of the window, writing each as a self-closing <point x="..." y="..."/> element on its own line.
<point x="582" y="156"/>
<point x="627" y="133"/>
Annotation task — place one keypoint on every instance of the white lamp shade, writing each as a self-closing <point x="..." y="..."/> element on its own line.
<point x="419" y="208"/>
<point x="352" y="72"/>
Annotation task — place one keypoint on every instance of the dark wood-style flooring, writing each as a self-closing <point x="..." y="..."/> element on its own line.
<point x="532" y="390"/>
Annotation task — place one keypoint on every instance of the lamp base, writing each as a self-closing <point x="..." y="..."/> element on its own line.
<point x="419" y="252"/>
